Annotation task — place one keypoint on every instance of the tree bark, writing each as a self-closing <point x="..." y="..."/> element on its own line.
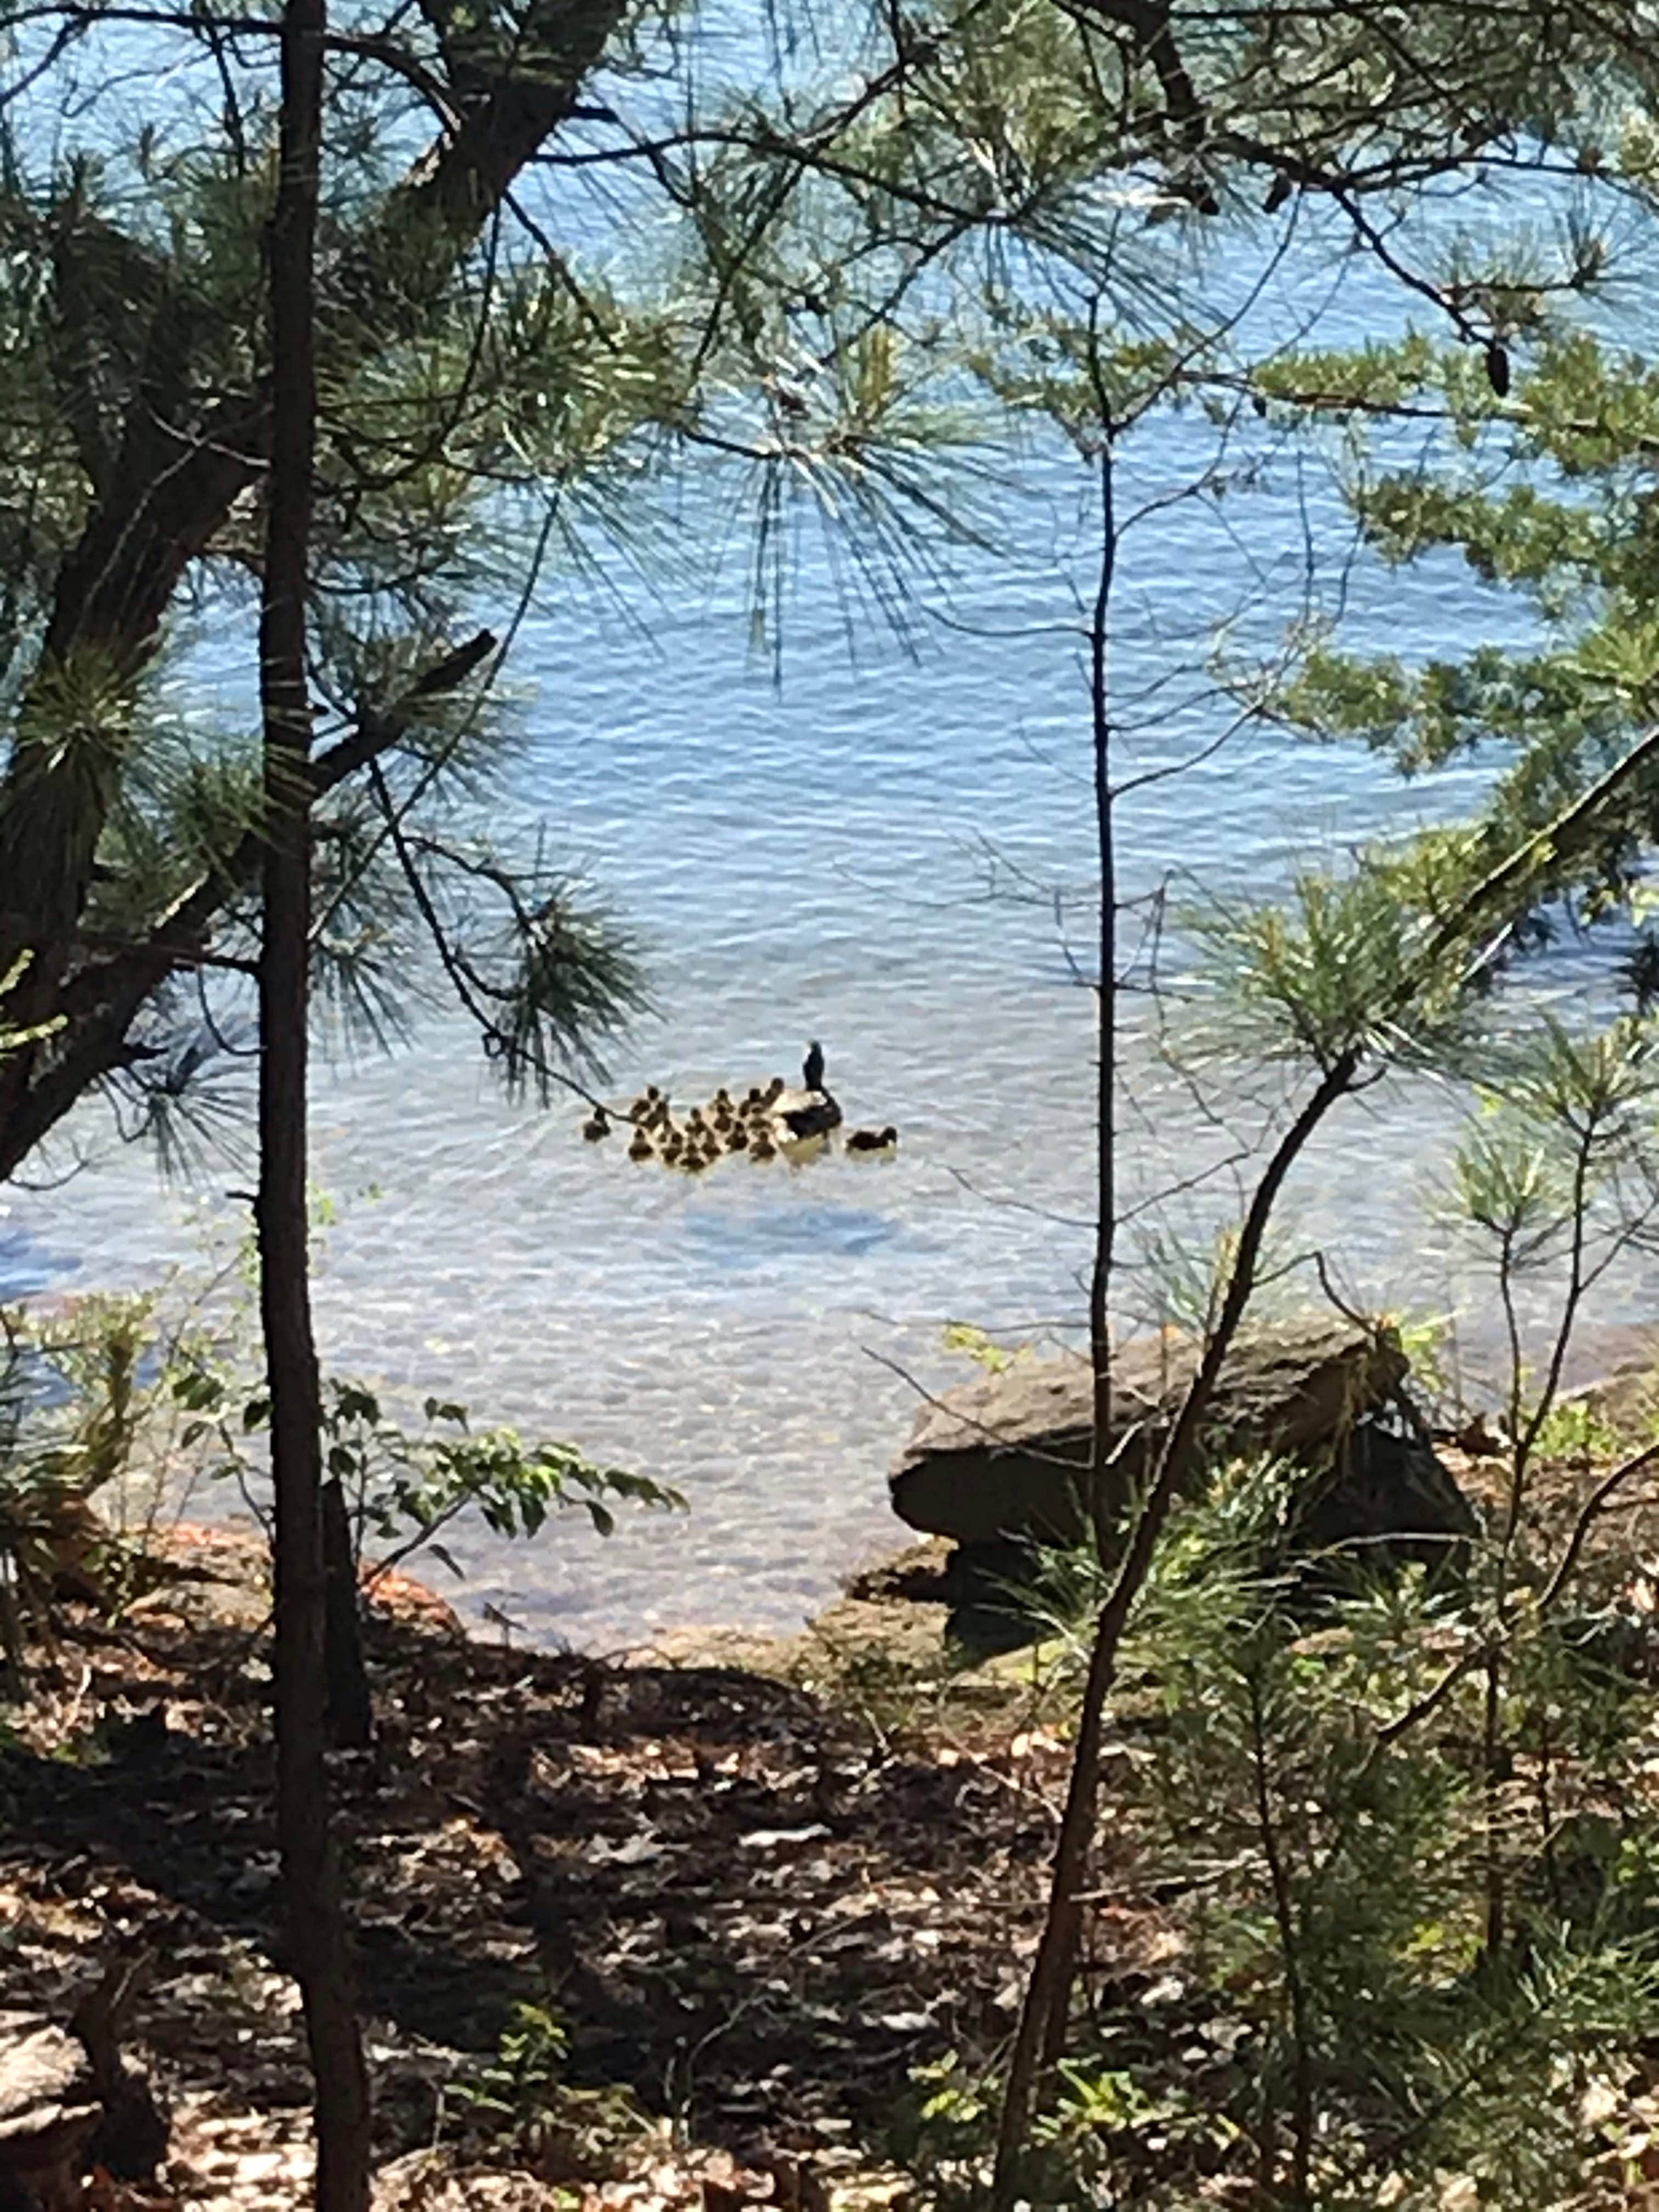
<point x="318" y="1940"/>
<point x="1040" y="2038"/>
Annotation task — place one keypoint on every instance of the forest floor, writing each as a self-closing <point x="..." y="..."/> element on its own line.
<point x="755" y="1899"/>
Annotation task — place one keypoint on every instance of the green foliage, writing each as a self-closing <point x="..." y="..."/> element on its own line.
<point x="527" y="2075"/>
<point x="975" y="1344"/>
<point x="1319" y="1830"/>
<point x="1555" y="1178"/>
<point x="1351" y="964"/>
<point x="404" y="1489"/>
<point x="94" y="1405"/>
<point x="1424" y="1341"/>
<point x="1571" y="1430"/>
<point x="522" y="2097"/>
<point x="129" y="1403"/>
<point x="1548" y="498"/>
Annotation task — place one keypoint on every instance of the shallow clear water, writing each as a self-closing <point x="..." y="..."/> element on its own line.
<point x="859" y="854"/>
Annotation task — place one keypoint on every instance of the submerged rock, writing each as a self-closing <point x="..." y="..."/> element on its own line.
<point x="1007" y="1456"/>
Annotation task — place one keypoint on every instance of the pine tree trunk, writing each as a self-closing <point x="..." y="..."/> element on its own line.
<point x="1039" y="2039"/>
<point x="316" y="1928"/>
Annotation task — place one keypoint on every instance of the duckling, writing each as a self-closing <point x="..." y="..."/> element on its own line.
<point x="641" y="1148"/>
<point x="737" y="1139"/>
<point x="873" y="1140"/>
<point x="763" y="1148"/>
<point x="640" y="1108"/>
<point x="695" y="1159"/>
<point x="773" y="1092"/>
<point x="597" y="1124"/>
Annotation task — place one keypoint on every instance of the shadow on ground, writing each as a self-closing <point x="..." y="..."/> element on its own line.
<point x="745" y="1907"/>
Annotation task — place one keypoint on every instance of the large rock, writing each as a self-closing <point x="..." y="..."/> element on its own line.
<point x="1381" y="1499"/>
<point x="1007" y="1456"/>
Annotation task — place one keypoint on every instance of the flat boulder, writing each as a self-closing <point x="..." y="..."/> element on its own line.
<point x="1007" y="1454"/>
<point x="1382" y="1499"/>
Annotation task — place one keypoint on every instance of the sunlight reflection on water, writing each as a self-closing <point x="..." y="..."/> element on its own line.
<point x="813" y="861"/>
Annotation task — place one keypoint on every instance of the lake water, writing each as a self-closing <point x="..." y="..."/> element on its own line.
<point x="863" y="852"/>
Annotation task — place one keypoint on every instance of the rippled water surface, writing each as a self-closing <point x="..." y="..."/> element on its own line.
<point x="863" y="854"/>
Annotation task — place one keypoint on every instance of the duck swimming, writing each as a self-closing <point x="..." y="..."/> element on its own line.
<point x="597" y="1125"/>
<point x="641" y="1148"/>
<point x="873" y="1140"/>
<point x="800" y="1114"/>
<point x="763" y="1148"/>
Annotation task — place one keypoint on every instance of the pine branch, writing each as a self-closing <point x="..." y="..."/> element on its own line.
<point x="101" y="1001"/>
<point x="174" y="483"/>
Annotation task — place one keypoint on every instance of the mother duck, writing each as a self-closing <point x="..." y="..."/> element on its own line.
<point x="810" y="1111"/>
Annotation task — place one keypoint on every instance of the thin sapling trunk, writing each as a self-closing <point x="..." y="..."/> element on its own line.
<point x="315" y="1920"/>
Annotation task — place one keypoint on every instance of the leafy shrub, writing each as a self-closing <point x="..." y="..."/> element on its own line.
<point x="404" y="1489"/>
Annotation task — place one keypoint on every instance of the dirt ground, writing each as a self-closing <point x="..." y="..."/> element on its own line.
<point x="753" y="1911"/>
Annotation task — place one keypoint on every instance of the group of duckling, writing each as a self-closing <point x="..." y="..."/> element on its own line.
<point x="724" y="1125"/>
<point x="768" y="1118"/>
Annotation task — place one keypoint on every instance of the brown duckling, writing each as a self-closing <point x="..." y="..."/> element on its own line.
<point x="737" y="1137"/>
<point x="873" y="1140"/>
<point x="763" y="1148"/>
<point x="597" y="1125"/>
<point x="773" y="1092"/>
<point x="641" y="1148"/>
